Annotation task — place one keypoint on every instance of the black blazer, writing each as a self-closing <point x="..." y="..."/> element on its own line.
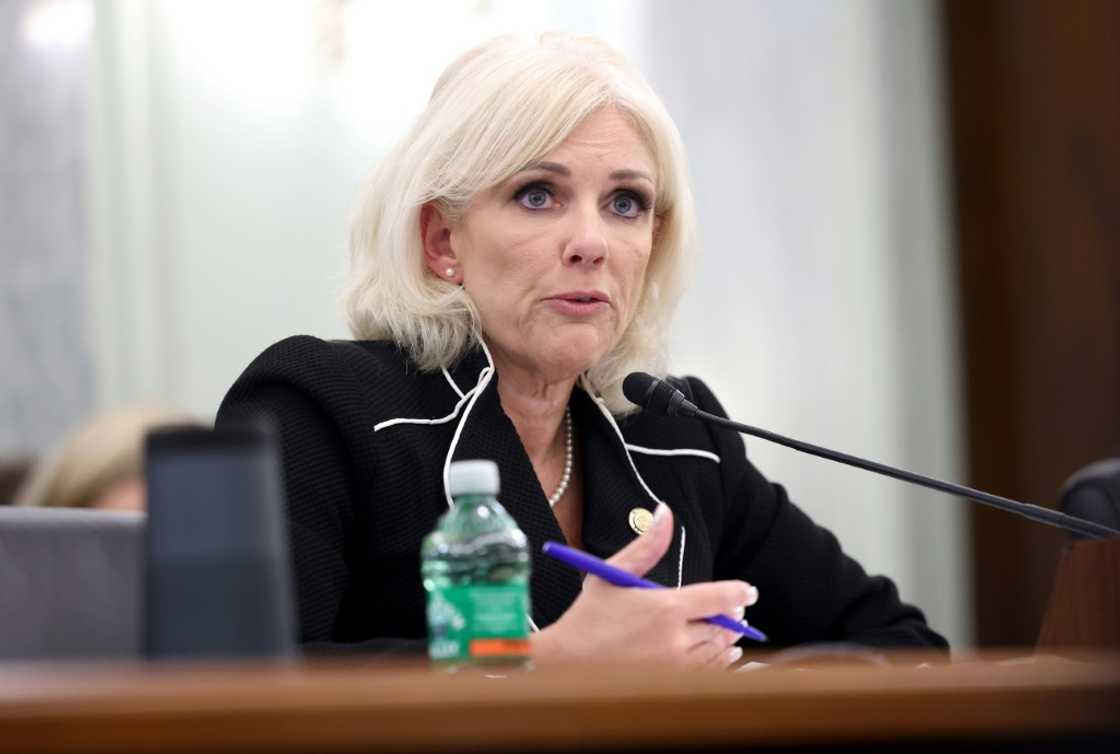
<point x="366" y="440"/>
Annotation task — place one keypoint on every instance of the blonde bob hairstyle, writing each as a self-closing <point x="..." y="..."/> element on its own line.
<point x="495" y="110"/>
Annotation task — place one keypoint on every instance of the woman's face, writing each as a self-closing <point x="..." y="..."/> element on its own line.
<point x="555" y="257"/>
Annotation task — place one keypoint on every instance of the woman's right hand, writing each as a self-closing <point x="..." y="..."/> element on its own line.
<point x="618" y="624"/>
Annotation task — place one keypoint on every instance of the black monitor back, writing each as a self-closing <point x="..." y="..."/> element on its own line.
<point x="218" y="578"/>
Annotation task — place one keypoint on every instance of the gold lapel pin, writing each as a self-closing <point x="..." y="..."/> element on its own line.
<point x="640" y="520"/>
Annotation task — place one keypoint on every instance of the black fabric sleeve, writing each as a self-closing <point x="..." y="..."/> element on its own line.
<point x="318" y="483"/>
<point x="810" y="591"/>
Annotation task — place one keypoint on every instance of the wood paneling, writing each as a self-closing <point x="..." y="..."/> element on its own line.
<point x="1084" y="609"/>
<point x="1034" y="102"/>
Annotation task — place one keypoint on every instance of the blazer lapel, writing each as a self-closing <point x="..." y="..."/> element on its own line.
<point x="487" y="433"/>
<point x="612" y="491"/>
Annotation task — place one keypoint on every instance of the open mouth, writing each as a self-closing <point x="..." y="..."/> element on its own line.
<point x="583" y="297"/>
<point x="580" y="303"/>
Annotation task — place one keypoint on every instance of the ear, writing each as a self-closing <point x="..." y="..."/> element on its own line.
<point x="435" y="237"/>
<point x="657" y="228"/>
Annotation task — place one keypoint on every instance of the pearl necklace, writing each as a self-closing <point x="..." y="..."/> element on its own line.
<point x="567" y="475"/>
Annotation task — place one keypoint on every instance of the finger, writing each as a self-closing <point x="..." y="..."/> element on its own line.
<point x="705" y="633"/>
<point x="716" y="652"/>
<point x="699" y="632"/>
<point x="729" y="657"/>
<point x="707" y="654"/>
<point x="643" y="553"/>
<point x="701" y="600"/>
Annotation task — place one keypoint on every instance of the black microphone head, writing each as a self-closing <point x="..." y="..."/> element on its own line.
<point x="656" y="396"/>
<point x="638" y="387"/>
<point x="1093" y="493"/>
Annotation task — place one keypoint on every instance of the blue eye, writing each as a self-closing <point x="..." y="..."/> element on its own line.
<point x="535" y="197"/>
<point x="626" y="204"/>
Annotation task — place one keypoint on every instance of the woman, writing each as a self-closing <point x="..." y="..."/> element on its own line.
<point x="99" y="464"/>
<point x="516" y="255"/>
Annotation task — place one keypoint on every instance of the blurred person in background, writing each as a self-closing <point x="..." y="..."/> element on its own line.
<point x="514" y="258"/>
<point x="100" y="463"/>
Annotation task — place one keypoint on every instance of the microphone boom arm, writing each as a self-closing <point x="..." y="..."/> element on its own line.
<point x="1033" y="512"/>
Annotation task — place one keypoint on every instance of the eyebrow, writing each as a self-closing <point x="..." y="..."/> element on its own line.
<point x="618" y="175"/>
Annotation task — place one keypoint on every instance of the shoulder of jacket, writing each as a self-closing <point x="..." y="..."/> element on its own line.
<point x="361" y="383"/>
<point x="309" y="351"/>
<point x="311" y="364"/>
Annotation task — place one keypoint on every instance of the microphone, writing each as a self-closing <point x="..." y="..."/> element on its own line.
<point x="659" y="397"/>
<point x="1093" y="493"/>
<point x="656" y="396"/>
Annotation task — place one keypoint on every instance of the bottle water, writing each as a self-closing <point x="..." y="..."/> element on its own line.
<point x="475" y="566"/>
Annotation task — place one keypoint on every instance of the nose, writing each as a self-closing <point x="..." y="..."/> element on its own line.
<point x="587" y="246"/>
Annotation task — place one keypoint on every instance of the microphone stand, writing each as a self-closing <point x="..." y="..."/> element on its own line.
<point x="660" y="397"/>
<point x="1033" y="512"/>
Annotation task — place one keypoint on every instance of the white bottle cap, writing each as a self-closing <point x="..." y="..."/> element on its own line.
<point x="473" y="478"/>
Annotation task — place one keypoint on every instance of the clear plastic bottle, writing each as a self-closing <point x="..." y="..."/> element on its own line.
<point x="475" y="566"/>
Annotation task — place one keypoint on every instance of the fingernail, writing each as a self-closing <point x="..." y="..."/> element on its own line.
<point x="660" y="513"/>
<point x="735" y="654"/>
<point x="752" y="595"/>
<point x="739" y="612"/>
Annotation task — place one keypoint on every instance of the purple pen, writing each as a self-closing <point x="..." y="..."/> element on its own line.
<point x="590" y="564"/>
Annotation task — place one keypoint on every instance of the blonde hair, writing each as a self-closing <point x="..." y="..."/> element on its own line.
<point x="96" y="455"/>
<point x="495" y="110"/>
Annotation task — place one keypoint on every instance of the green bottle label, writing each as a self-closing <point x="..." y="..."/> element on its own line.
<point x="478" y="622"/>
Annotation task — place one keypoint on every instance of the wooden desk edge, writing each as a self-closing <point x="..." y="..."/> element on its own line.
<point x="377" y="706"/>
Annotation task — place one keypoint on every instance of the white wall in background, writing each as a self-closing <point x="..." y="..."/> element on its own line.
<point x="231" y="140"/>
<point x="47" y="367"/>
<point x="230" y="143"/>
<point x="824" y="306"/>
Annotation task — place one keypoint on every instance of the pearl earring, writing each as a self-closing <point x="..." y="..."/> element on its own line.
<point x="450" y="272"/>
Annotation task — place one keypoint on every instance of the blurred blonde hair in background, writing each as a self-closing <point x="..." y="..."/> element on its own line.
<point x="95" y="458"/>
<point x="495" y="110"/>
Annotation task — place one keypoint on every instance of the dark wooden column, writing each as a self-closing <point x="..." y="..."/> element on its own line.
<point x="1034" y="111"/>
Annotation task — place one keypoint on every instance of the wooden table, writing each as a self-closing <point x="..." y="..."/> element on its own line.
<point x="1028" y="704"/>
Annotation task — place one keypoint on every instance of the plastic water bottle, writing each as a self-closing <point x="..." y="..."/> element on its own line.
<point x="475" y="566"/>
